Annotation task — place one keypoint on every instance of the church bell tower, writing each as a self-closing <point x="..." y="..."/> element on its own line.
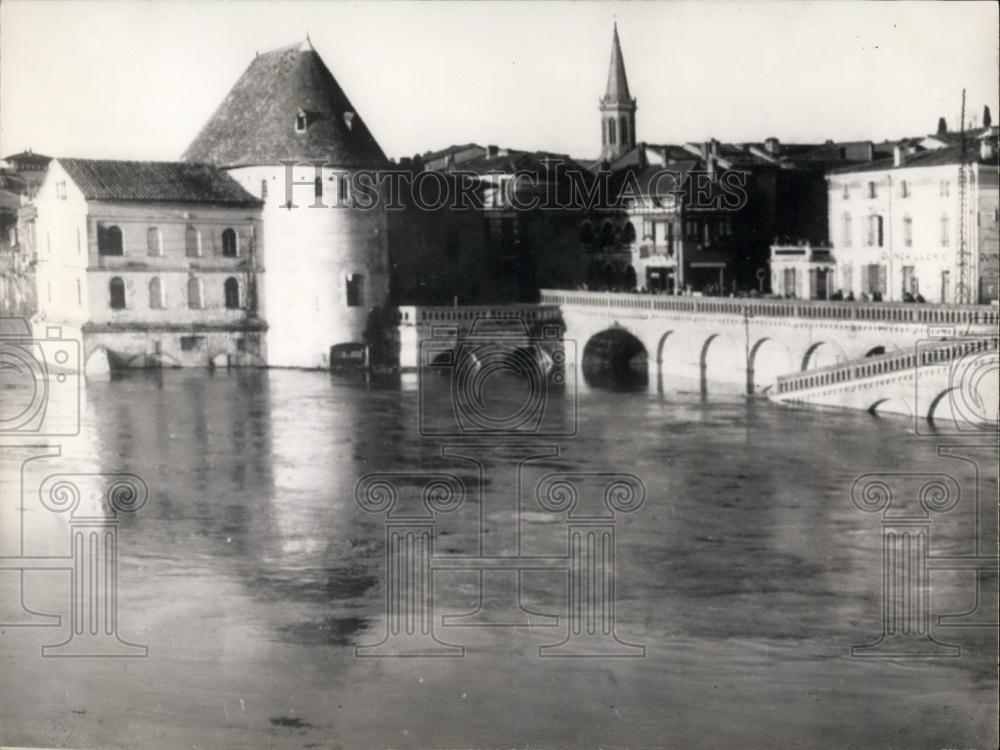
<point x="617" y="108"/>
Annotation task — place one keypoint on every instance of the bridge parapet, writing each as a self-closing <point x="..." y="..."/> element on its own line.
<point x="884" y="364"/>
<point x="420" y="315"/>
<point x="892" y="312"/>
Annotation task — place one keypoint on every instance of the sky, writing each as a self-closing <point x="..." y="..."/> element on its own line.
<point x="137" y="80"/>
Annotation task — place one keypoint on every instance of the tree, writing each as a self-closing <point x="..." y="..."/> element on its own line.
<point x="987" y="118"/>
<point x="942" y="126"/>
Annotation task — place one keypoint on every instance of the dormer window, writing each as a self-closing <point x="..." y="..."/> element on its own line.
<point x="349" y="120"/>
<point x="300" y="122"/>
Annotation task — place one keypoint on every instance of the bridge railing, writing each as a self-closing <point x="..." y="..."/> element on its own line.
<point x="414" y="315"/>
<point x="882" y="364"/>
<point x="890" y="312"/>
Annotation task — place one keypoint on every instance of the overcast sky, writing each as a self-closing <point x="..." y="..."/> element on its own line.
<point x="138" y="80"/>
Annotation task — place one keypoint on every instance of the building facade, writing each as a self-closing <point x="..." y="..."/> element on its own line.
<point x="920" y="226"/>
<point x="154" y="263"/>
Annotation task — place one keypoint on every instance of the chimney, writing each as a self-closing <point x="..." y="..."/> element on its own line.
<point x="898" y="156"/>
<point x="772" y="146"/>
<point x="492" y="151"/>
<point x="714" y="146"/>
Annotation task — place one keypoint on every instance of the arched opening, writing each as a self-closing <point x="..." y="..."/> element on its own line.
<point x="230" y="243"/>
<point x="615" y="359"/>
<point x="769" y="358"/>
<point x="721" y="361"/>
<point x="116" y="292"/>
<point x="194" y="291"/>
<point x="156" y="301"/>
<point x="895" y="406"/>
<point x="109" y="240"/>
<point x="154" y="241"/>
<point x="609" y="277"/>
<point x="192" y="242"/>
<point x="628" y="233"/>
<point x="231" y="291"/>
<point x="822" y="354"/>
<point x="875" y="351"/>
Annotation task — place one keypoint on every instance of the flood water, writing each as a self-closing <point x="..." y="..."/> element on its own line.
<point x="251" y="574"/>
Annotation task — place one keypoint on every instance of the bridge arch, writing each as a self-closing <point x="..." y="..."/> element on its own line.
<point x="769" y="358"/>
<point x="721" y="360"/>
<point x="890" y="405"/>
<point x="822" y="354"/>
<point x="615" y="358"/>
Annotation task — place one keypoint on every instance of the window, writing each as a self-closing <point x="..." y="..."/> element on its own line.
<point x="194" y="289"/>
<point x="910" y="283"/>
<point x="300" y="122"/>
<point x="154" y="243"/>
<point x="355" y="290"/>
<point x="231" y="290"/>
<point x="908" y="231"/>
<point x="875" y="231"/>
<point x="790" y="282"/>
<point x="847" y="231"/>
<point x="263" y="189"/>
<point x="847" y="278"/>
<point x="629" y="233"/>
<point x="156" y="294"/>
<point x="904" y="189"/>
<point x="192" y="242"/>
<point x="109" y="240"/>
<point x="945" y="231"/>
<point x="623" y="129"/>
<point x="945" y="188"/>
<point x="611" y="131"/>
<point x="874" y="279"/>
<point x="230" y="243"/>
<point x="116" y="290"/>
<point x="846" y="194"/>
<point x="79" y="293"/>
<point x="872" y="190"/>
<point x="61" y="191"/>
<point x="192" y="343"/>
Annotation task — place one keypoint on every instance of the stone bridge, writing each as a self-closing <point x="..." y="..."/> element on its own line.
<point x="751" y="344"/>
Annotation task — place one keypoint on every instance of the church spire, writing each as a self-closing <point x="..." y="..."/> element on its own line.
<point x="617" y="107"/>
<point x="617" y="90"/>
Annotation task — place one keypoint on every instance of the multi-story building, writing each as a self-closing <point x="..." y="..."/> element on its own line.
<point x="290" y="136"/>
<point x="154" y="263"/>
<point x="921" y="225"/>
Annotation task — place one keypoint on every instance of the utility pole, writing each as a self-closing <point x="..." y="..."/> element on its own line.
<point x="962" y="292"/>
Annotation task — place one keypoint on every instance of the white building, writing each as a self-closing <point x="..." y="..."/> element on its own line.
<point x="153" y="263"/>
<point x="905" y="226"/>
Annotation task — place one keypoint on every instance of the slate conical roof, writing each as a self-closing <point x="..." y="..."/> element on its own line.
<point x="287" y="105"/>
<point x="617" y="92"/>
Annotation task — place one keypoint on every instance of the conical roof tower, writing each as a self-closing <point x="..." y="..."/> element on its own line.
<point x="287" y="105"/>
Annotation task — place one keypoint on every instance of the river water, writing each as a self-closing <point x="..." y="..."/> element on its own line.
<point x="251" y="574"/>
